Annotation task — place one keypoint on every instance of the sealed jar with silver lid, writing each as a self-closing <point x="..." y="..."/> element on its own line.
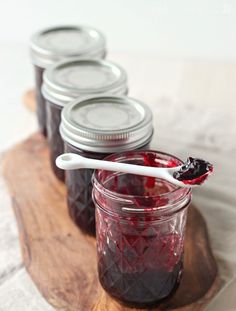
<point x="72" y="79"/>
<point x="96" y="127"/>
<point x="51" y="45"/>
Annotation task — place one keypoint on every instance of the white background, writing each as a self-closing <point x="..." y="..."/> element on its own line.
<point x="176" y="28"/>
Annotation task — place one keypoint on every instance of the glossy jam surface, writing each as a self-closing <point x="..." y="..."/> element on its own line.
<point x="194" y="171"/>
<point x="140" y="253"/>
<point x="40" y="103"/>
<point x="55" y="142"/>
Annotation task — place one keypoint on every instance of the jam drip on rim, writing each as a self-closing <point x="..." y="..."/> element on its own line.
<point x="194" y="171"/>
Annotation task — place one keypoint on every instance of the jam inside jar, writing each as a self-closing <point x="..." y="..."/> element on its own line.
<point x="40" y="102"/>
<point x="79" y="189"/>
<point x="55" y="141"/>
<point x="140" y="224"/>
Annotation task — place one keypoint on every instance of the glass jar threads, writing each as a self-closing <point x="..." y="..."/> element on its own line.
<point x="72" y="79"/>
<point x="96" y="127"/>
<point x="140" y="224"/>
<point x="51" y="45"/>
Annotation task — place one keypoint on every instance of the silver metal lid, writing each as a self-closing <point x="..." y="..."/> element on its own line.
<point x="54" y="44"/>
<point x="74" y="78"/>
<point x="106" y="124"/>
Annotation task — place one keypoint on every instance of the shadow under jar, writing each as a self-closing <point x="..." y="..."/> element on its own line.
<point x="51" y="45"/>
<point x="72" y="79"/>
<point x="140" y="223"/>
<point x="96" y="127"/>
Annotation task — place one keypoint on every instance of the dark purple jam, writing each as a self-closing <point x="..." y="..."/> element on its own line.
<point x="194" y="171"/>
<point x="40" y="102"/>
<point x="56" y="144"/>
<point x="140" y="256"/>
<point x="138" y="270"/>
<point x="79" y="191"/>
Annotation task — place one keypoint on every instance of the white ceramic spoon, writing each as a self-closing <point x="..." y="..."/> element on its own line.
<point x="72" y="161"/>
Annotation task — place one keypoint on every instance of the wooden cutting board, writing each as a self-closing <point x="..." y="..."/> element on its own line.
<point x="62" y="261"/>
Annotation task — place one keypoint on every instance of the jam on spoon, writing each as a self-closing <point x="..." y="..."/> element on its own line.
<point x="194" y="171"/>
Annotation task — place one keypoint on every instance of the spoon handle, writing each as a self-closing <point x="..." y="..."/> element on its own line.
<point x="71" y="161"/>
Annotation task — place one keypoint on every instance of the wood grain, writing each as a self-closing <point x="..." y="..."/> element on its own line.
<point x="62" y="261"/>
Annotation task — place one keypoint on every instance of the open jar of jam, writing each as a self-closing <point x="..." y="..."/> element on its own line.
<point x="51" y="45"/>
<point x="96" y="127"/>
<point x="72" y="79"/>
<point x="140" y="223"/>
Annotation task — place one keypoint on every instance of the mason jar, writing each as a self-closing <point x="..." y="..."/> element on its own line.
<point x="140" y="224"/>
<point x="51" y="45"/>
<point x="72" y="79"/>
<point x="94" y="128"/>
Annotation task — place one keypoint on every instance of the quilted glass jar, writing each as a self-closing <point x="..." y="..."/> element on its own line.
<point x="51" y="45"/>
<point x="96" y="127"/>
<point x="140" y="224"/>
<point x="72" y="79"/>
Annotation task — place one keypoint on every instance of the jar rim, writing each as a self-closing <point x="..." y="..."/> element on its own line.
<point x="128" y="198"/>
